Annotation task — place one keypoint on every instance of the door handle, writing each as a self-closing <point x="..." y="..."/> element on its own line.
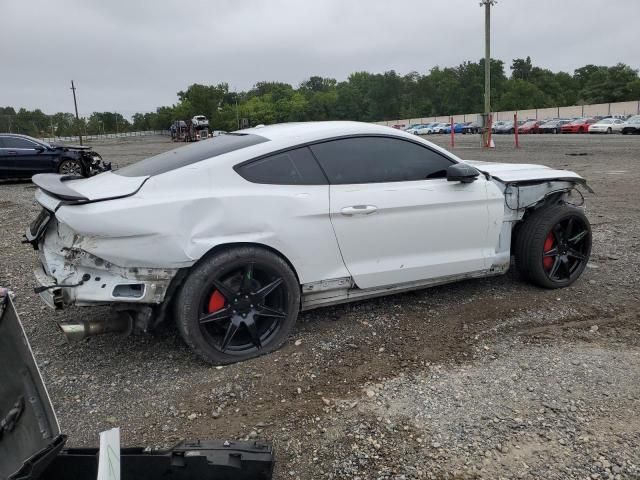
<point x="12" y="152"/>
<point x="359" y="210"/>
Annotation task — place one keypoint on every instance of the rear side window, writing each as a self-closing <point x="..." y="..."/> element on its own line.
<point x="377" y="160"/>
<point x="190" y="154"/>
<point x="294" y="167"/>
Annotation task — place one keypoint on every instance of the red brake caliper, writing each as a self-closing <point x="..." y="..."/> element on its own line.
<point x="547" y="262"/>
<point x="216" y="302"/>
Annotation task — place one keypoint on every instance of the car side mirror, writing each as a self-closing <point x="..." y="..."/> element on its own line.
<point x="39" y="148"/>
<point x="461" y="172"/>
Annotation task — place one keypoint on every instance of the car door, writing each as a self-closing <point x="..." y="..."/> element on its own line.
<point x="398" y="219"/>
<point x="24" y="159"/>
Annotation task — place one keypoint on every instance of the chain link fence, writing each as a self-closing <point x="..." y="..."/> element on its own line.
<point x="104" y="136"/>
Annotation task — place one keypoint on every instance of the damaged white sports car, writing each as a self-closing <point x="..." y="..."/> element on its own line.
<point x="233" y="236"/>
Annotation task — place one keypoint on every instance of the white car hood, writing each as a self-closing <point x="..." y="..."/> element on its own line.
<point x="522" y="172"/>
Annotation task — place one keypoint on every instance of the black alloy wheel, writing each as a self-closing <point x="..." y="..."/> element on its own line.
<point x="566" y="249"/>
<point x="70" y="167"/>
<point x="243" y="310"/>
<point x="553" y="245"/>
<point x="238" y="304"/>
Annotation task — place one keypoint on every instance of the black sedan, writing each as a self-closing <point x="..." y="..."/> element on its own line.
<point x="22" y="156"/>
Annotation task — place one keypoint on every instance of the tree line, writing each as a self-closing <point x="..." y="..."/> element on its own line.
<point x="363" y="96"/>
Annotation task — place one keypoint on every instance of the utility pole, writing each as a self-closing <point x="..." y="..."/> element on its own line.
<point x="487" y="67"/>
<point x="237" y="113"/>
<point x="75" y="104"/>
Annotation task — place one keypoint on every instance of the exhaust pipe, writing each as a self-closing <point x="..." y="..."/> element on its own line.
<point x="81" y="329"/>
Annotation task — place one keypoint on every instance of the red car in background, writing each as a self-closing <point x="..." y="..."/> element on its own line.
<point x="530" y="126"/>
<point x="580" y="125"/>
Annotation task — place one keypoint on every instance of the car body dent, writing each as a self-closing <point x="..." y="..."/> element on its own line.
<point x="66" y="260"/>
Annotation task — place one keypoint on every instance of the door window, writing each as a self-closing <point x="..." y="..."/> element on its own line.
<point x="377" y="160"/>
<point x="17" y="142"/>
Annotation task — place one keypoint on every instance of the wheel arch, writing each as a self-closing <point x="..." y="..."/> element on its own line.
<point x="551" y="199"/>
<point x="227" y="246"/>
<point x="176" y="283"/>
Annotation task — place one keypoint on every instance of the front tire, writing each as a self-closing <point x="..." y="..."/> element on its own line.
<point x="70" y="167"/>
<point x="238" y="304"/>
<point x="553" y="245"/>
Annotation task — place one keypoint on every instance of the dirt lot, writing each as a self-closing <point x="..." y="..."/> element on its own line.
<point x="482" y="379"/>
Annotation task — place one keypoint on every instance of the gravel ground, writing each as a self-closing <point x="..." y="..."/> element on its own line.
<point x="489" y="378"/>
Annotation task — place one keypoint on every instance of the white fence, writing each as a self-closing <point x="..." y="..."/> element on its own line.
<point x="620" y="109"/>
<point x="103" y="136"/>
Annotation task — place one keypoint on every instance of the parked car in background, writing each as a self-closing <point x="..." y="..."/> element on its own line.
<point x="412" y="127"/>
<point x="399" y="126"/>
<point x="631" y="125"/>
<point x="22" y="157"/>
<point x="553" y="126"/>
<point x="425" y="129"/>
<point x="496" y="124"/>
<point x="470" y="127"/>
<point x="530" y="126"/>
<point x="233" y="236"/>
<point x="439" y="127"/>
<point x="607" y="125"/>
<point x="457" y="128"/>
<point x="504" y="127"/>
<point x="579" y="125"/>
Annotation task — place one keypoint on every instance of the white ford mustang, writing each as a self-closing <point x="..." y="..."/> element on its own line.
<point x="234" y="235"/>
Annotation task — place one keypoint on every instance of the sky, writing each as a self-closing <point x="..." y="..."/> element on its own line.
<point x="133" y="56"/>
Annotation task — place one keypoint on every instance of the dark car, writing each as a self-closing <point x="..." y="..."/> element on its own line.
<point x="503" y="127"/>
<point x="553" y="126"/>
<point x="471" y="127"/>
<point x="22" y="157"/>
<point x="631" y="125"/>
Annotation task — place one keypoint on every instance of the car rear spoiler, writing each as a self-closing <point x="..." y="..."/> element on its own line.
<point x="53" y="184"/>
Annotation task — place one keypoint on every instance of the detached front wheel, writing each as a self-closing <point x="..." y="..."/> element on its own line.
<point x="238" y="304"/>
<point x="553" y="246"/>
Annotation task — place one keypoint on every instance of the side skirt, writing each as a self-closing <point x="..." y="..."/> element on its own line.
<point x="313" y="299"/>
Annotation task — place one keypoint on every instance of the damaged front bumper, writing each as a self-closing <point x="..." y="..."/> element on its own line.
<point x="69" y="275"/>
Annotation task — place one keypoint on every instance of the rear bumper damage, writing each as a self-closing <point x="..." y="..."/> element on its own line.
<point x="70" y="275"/>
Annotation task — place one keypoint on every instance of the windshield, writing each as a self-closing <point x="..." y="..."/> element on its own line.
<point x="196" y="152"/>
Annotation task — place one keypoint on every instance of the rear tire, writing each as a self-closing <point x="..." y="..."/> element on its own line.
<point x="553" y="245"/>
<point x="223" y="316"/>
